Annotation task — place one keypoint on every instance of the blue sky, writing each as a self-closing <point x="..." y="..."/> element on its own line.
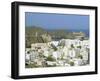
<point x="57" y="21"/>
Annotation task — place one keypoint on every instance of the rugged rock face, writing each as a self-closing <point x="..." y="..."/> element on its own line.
<point x="36" y="35"/>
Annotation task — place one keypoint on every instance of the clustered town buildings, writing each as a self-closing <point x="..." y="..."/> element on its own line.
<point x="65" y="52"/>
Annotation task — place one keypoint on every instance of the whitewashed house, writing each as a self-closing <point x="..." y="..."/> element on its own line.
<point x="77" y="62"/>
<point x="51" y="63"/>
<point x="55" y="43"/>
<point x="72" y="53"/>
<point x="27" y="57"/>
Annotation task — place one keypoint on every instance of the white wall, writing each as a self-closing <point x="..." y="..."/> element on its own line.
<point x="5" y="40"/>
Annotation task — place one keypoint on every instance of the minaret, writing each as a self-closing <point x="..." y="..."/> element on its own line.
<point x="36" y="34"/>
